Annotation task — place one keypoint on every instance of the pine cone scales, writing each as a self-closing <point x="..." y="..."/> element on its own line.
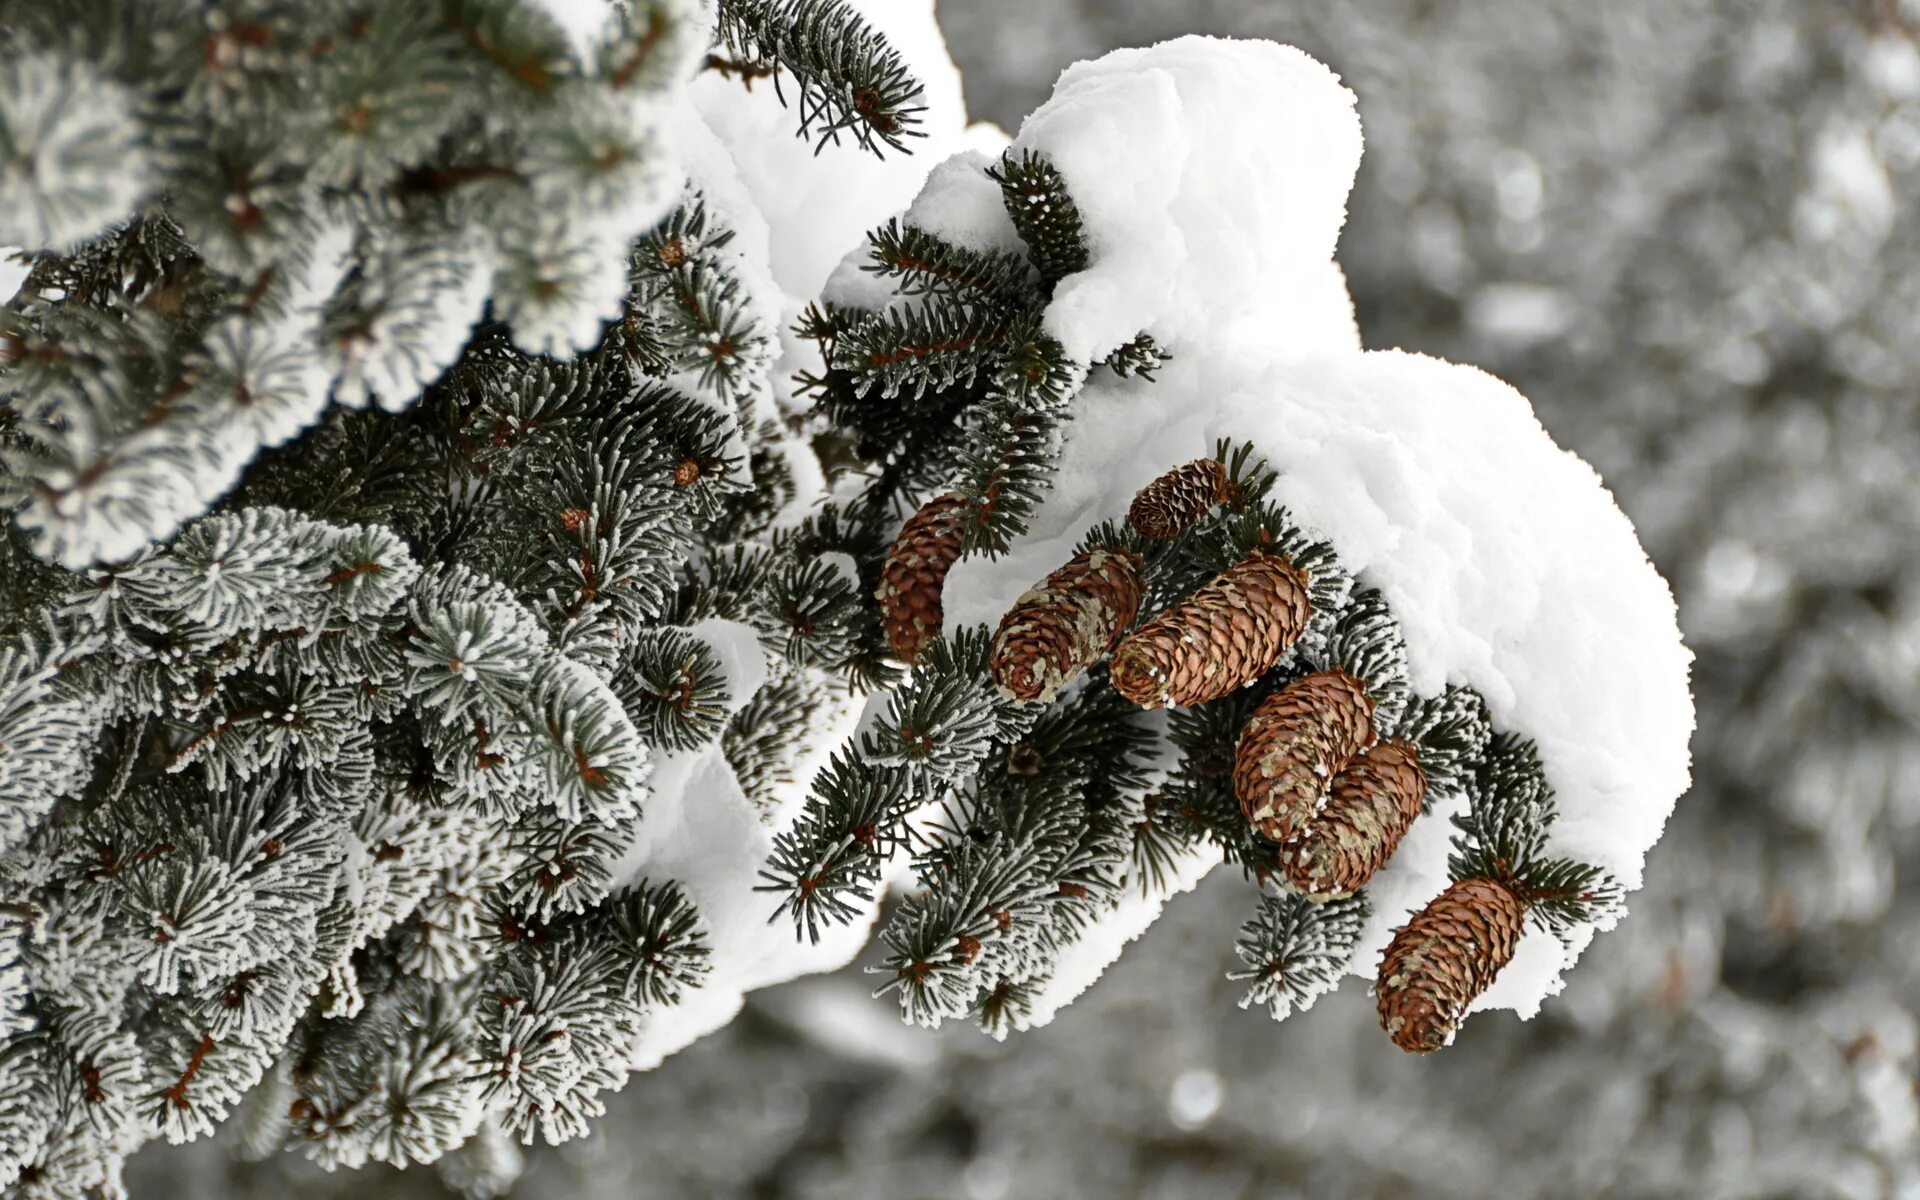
<point x="1443" y="958"/>
<point x="1231" y="632"/>
<point x="1294" y="744"/>
<point x="913" y="575"/>
<point x="1175" y="502"/>
<point x="1065" y="625"/>
<point x="1372" y="804"/>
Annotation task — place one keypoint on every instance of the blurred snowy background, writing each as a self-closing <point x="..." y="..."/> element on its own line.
<point x="1689" y="230"/>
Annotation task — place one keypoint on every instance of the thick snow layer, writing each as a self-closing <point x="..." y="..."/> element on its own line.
<point x="1506" y="561"/>
<point x="1213" y="177"/>
<point x="700" y="829"/>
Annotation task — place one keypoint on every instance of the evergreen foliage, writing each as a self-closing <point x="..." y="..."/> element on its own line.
<point x="1503" y="836"/>
<point x="849" y="79"/>
<point x="326" y="731"/>
<point x="311" y="202"/>
<point x="1296" y="951"/>
<point x="1051" y="814"/>
<point x="958" y="388"/>
<point x="319" y="810"/>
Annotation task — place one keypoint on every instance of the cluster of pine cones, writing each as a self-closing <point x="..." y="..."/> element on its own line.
<point x="1309" y="771"/>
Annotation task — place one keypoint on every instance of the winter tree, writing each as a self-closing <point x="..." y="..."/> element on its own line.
<point x="452" y="606"/>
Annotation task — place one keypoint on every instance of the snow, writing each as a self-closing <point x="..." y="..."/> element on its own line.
<point x="701" y="830"/>
<point x="963" y="203"/>
<point x="959" y="202"/>
<point x="742" y="661"/>
<point x="1212" y="178"/>
<point x="1507" y="563"/>
<point x="1100" y="946"/>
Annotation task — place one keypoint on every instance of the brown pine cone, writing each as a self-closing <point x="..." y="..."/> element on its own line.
<point x="1230" y="633"/>
<point x="1294" y="744"/>
<point x="915" y="571"/>
<point x="1175" y="502"/>
<point x="1443" y="958"/>
<point x="1063" y="626"/>
<point x="1370" y="807"/>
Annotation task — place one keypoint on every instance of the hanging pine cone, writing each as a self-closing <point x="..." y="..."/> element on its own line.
<point x="1230" y="633"/>
<point x="1294" y="744"/>
<point x="915" y="571"/>
<point x="1443" y="958"/>
<point x="1063" y="626"/>
<point x="1175" y="502"/>
<point x="1369" y="809"/>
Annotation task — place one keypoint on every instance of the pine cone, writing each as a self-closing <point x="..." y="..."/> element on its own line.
<point x="915" y="571"/>
<point x="1443" y="958"/>
<point x="1063" y="626"/>
<point x="1294" y="744"/>
<point x="1371" y="806"/>
<point x="1175" y="502"/>
<point x="1230" y="633"/>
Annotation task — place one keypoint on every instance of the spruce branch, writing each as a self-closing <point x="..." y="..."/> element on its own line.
<point x="935" y="943"/>
<point x="944" y="717"/>
<point x="829" y="862"/>
<point x="1142" y="356"/>
<point x="1451" y="732"/>
<point x="1366" y="643"/>
<point x="1295" y="950"/>
<point x="673" y="688"/>
<point x="921" y="348"/>
<point x="1156" y="844"/>
<point x="759" y="741"/>
<point x="1043" y="211"/>
<point x="1249" y="478"/>
<point x="687" y="309"/>
<point x="848" y="78"/>
<point x="526" y="44"/>
<point x="923" y="264"/>
<point x="1197" y="802"/>
<point x="642" y="49"/>
<point x="1005" y="468"/>
<point x="1503" y="837"/>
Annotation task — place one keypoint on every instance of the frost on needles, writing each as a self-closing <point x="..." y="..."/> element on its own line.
<point x="316" y="202"/>
<point x="401" y="509"/>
